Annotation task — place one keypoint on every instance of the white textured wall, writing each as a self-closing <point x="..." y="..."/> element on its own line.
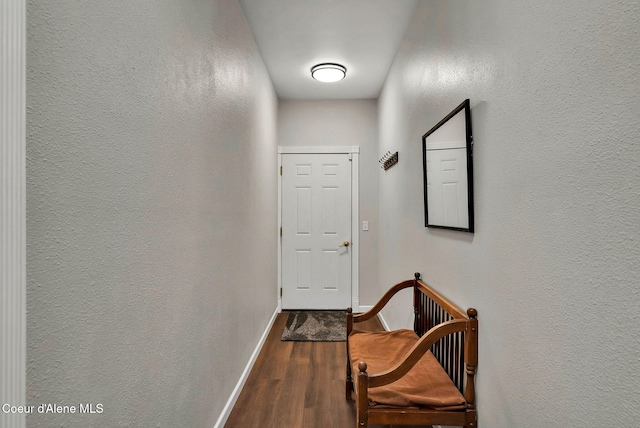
<point x="343" y="123"/>
<point x="151" y="208"/>
<point x="553" y="265"/>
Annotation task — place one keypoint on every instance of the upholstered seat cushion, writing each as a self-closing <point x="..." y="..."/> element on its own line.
<point x="425" y="385"/>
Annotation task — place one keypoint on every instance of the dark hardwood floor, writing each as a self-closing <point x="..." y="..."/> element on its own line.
<point x="297" y="385"/>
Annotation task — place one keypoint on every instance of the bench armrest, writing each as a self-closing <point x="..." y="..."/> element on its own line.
<point x="383" y="301"/>
<point x="418" y="350"/>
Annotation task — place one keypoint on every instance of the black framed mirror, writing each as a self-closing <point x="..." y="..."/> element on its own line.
<point x="447" y="151"/>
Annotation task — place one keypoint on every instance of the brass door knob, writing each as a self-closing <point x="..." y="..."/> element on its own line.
<point x="345" y="244"/>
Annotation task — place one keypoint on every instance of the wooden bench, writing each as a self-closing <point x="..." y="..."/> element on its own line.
<point x="420" y="376"/>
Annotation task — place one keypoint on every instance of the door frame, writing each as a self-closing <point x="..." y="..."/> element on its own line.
<point x="354" y="151"/>
<point x="13" y="237"/>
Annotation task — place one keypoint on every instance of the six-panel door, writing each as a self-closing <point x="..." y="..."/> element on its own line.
<point x="316" y="231"/>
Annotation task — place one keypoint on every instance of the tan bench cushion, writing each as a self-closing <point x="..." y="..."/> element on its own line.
<point x="425" y="385"/>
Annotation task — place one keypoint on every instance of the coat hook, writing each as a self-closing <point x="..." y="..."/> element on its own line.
<point x="388" y="160"/>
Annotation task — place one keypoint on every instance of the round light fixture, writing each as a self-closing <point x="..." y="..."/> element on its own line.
<point x="328" y="72"/>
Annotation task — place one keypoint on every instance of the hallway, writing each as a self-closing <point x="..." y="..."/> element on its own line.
<point x="139" y="258"/>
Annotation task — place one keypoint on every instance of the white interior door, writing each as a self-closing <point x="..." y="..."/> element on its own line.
<point x="316" y="231"/>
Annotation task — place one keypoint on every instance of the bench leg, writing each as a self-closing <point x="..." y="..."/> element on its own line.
<point x="349" y="383"/>
<point x="362" y="397"/>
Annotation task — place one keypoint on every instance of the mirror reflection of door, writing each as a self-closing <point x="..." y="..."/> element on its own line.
<point x="447" y="187"/>
<point x="448" y="170"/>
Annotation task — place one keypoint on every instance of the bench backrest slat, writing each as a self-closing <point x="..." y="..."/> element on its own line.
<point x="431" y="309"/>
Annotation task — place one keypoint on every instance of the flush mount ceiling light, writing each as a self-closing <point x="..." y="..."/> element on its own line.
<point x="328" y="72"/>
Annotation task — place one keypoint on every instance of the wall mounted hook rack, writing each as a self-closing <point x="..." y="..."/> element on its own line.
<point x="388" y="160"/>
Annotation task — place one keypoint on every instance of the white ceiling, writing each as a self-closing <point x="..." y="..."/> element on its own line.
<point x="294" y="35"/>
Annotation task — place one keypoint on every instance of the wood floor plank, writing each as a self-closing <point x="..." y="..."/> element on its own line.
<point x="297" y="385"/>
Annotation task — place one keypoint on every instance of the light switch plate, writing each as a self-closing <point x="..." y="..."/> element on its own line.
<point x="365" y="225"/>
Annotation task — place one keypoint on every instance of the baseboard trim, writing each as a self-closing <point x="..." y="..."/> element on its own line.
<point x="226" y="412"/>
<point x="362" y="309"/>
<point x="384" y="324"/>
